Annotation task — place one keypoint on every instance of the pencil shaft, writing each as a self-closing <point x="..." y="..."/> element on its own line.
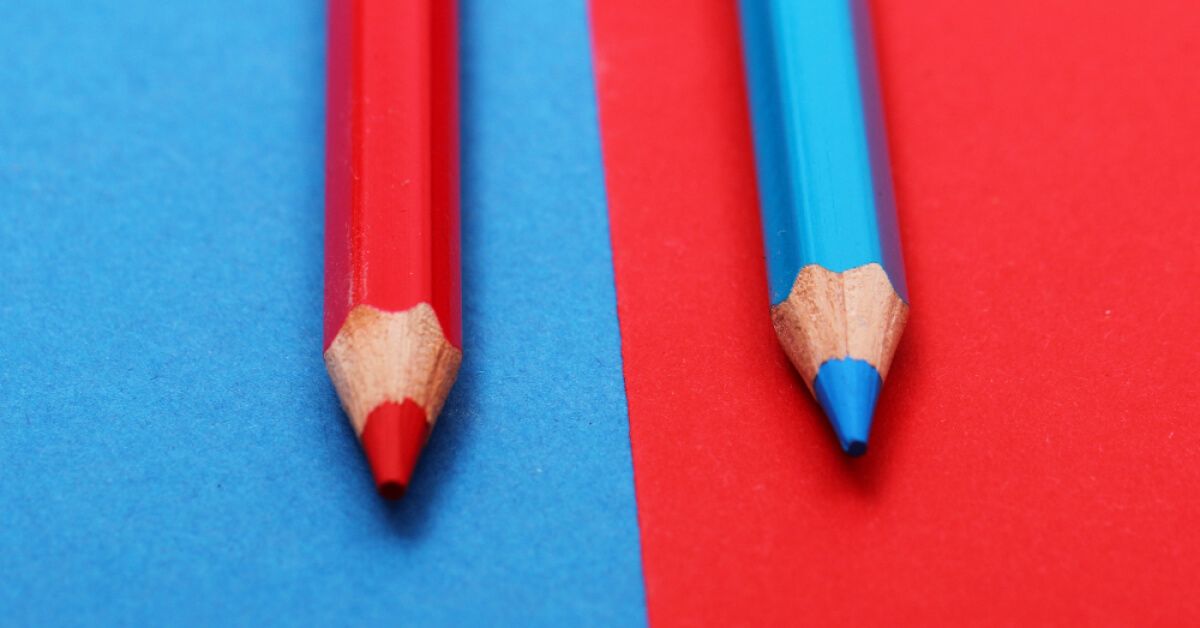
<point x="392" y="186"/>
<point x="820" y="147"/>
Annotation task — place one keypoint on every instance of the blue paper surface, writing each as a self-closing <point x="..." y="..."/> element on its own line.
<point x="171" y="451"/>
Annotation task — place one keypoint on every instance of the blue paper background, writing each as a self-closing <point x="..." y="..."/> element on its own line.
<point x="170" y="448"/>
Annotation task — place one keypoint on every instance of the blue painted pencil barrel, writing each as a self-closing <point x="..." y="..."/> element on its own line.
<point x="820" y="148"/>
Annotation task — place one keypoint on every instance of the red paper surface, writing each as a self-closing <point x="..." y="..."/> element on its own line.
<point x="1035" y="453"/>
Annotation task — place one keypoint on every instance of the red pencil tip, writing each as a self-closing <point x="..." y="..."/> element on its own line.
<point x="393" y="438"/>
<point x="390" y="490"/>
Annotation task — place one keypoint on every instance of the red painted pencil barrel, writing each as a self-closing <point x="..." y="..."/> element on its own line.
<point x="392" y="173"/>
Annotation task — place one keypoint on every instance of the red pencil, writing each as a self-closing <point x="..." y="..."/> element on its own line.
<point x="393" y="331"/>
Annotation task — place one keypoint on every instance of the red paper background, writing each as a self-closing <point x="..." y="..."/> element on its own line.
<point x="1035" y="453"/>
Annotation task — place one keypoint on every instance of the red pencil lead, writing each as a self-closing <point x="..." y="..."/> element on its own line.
<point x="392" y="438"/>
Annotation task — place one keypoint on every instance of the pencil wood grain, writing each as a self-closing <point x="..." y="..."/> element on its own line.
<point x="381" y="357"/>
<point x="828" y="316"/>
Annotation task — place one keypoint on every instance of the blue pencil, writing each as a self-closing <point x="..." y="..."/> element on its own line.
<point x="838" y="296"/>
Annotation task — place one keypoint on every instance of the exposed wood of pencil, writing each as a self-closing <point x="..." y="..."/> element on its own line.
<point x="828" y="316"/>
<point x="381" y="357"/>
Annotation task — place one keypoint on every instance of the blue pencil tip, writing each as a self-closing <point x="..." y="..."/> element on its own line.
<point x="847" y="389"/>
<point x="856" y="448"/>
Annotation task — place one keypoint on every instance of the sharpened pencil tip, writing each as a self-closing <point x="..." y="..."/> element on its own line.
<point x="847" y="389"/>
<point x="856" y="448"/>
<point x="391" y="490"/>
<point x="393" y="437"/>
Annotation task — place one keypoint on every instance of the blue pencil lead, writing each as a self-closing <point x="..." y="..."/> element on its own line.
<point x="847" y="389"/>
